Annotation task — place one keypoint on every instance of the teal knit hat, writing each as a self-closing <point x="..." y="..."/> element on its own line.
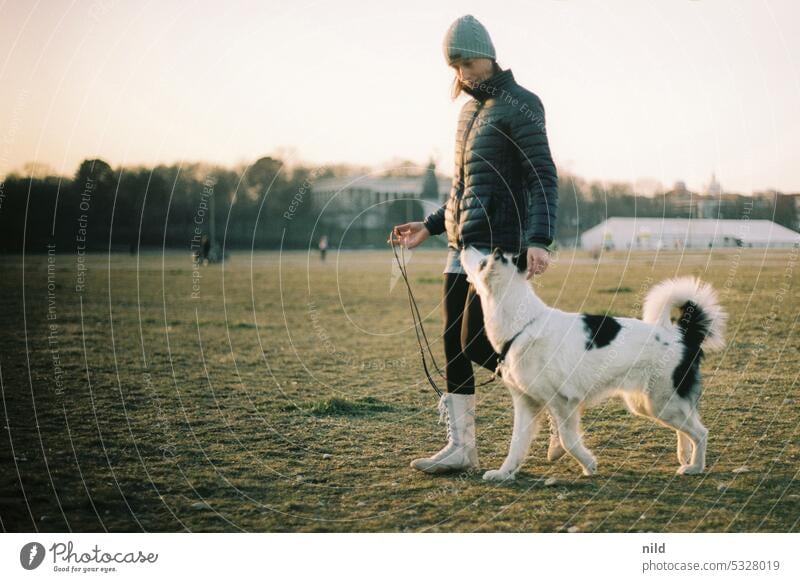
<point x="467" y="39"/>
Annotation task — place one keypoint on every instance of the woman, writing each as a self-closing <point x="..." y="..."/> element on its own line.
<point x="504" y="194"/>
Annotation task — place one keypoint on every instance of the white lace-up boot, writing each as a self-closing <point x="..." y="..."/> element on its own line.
<point x="460" y="453"/>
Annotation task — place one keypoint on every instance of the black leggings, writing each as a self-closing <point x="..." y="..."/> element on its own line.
<point x="465" y="339"/>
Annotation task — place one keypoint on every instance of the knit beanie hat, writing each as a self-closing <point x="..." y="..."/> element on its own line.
<point x="467" y="39"/>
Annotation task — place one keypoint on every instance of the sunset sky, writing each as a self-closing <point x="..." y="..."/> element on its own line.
<point x="632" y="89"/>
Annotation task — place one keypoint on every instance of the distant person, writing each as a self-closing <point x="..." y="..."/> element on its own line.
<point x="504" y="195"/>
<point x="205" y="249"/>
<point x="323" y="246"/>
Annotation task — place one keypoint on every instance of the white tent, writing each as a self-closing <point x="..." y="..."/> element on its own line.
<point x="669" y="233"/>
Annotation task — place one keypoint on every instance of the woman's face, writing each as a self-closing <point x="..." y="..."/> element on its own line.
<point x="473" y="71"/>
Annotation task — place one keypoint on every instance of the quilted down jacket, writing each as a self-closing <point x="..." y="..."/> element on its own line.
<point x="505" y="186"/>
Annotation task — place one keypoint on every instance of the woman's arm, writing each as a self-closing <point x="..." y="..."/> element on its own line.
<point x="540" y="176"/>
<point x="434" y="222"/>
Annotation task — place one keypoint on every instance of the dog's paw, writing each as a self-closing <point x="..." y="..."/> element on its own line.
<point x="590" y="469"/>
<point x="689" y="470"/>
<point x="498" y="475"/>
<point x="555" y="452"/>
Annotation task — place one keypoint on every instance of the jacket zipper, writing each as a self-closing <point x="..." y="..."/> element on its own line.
<point x="463" y="169"/>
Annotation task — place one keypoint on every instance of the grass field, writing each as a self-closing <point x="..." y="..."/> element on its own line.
<point x="287" y="395"/>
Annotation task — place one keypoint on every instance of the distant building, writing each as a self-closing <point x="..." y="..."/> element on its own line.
<point x="681" y="199"/>
<point x="714" y="188"/>
<point x="367" y="203"/>
<point x="714" y="202"/>
<point x="696" y="205"/>
<point x="680" y="233"/>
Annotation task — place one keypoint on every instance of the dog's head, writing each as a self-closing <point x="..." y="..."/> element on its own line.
<point x="494" y="272"/>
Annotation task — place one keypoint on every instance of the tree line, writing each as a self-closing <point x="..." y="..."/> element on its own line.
<point x="264" y="205"/>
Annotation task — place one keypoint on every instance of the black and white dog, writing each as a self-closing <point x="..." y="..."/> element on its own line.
<point x="558" y="362"/>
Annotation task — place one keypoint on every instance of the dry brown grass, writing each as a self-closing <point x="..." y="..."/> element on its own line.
<point x="289" y="397"/>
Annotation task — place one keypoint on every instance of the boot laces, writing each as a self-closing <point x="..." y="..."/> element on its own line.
<point x="444" y="416"/>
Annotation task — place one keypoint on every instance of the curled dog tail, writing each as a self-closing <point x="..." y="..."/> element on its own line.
<point x="702" y="319"/>
<point x="701" y="322"/>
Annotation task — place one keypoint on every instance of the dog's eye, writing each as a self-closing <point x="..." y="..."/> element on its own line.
<point x="482" y="264"/>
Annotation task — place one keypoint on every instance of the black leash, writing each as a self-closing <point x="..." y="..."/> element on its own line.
<point x="419" y="329"/>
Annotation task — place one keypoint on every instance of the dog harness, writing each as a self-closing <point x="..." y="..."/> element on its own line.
<point x="507" y="346"/>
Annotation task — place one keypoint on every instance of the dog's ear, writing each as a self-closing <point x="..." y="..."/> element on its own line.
<point x="521" y="261"/>
<point x="498" y="252"/>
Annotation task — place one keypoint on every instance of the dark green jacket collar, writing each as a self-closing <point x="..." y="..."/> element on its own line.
<point x="491" y="87"/>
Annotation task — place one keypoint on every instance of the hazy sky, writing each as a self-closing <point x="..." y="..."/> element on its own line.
<point x="665" y="90"/>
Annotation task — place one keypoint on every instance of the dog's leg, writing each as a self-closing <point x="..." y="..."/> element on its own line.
<point x="685" y="448"/>
<point x="554" y="450"/>
<point x="569" y="432"/>
<point x="638" y="405"/>
<point x="525" y="427"/>
<point x="679" y="415"/>
<point x="698" y="434"/>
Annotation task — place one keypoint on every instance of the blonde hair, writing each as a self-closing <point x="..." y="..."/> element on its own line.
<point x="457" y="86"/>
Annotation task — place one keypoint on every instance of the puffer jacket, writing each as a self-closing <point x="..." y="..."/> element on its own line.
<point x="505" y="186"/>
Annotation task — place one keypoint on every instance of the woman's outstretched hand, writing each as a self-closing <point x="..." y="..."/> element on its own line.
<point x="538" y="261"/>
<point x="410" y="234"/>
